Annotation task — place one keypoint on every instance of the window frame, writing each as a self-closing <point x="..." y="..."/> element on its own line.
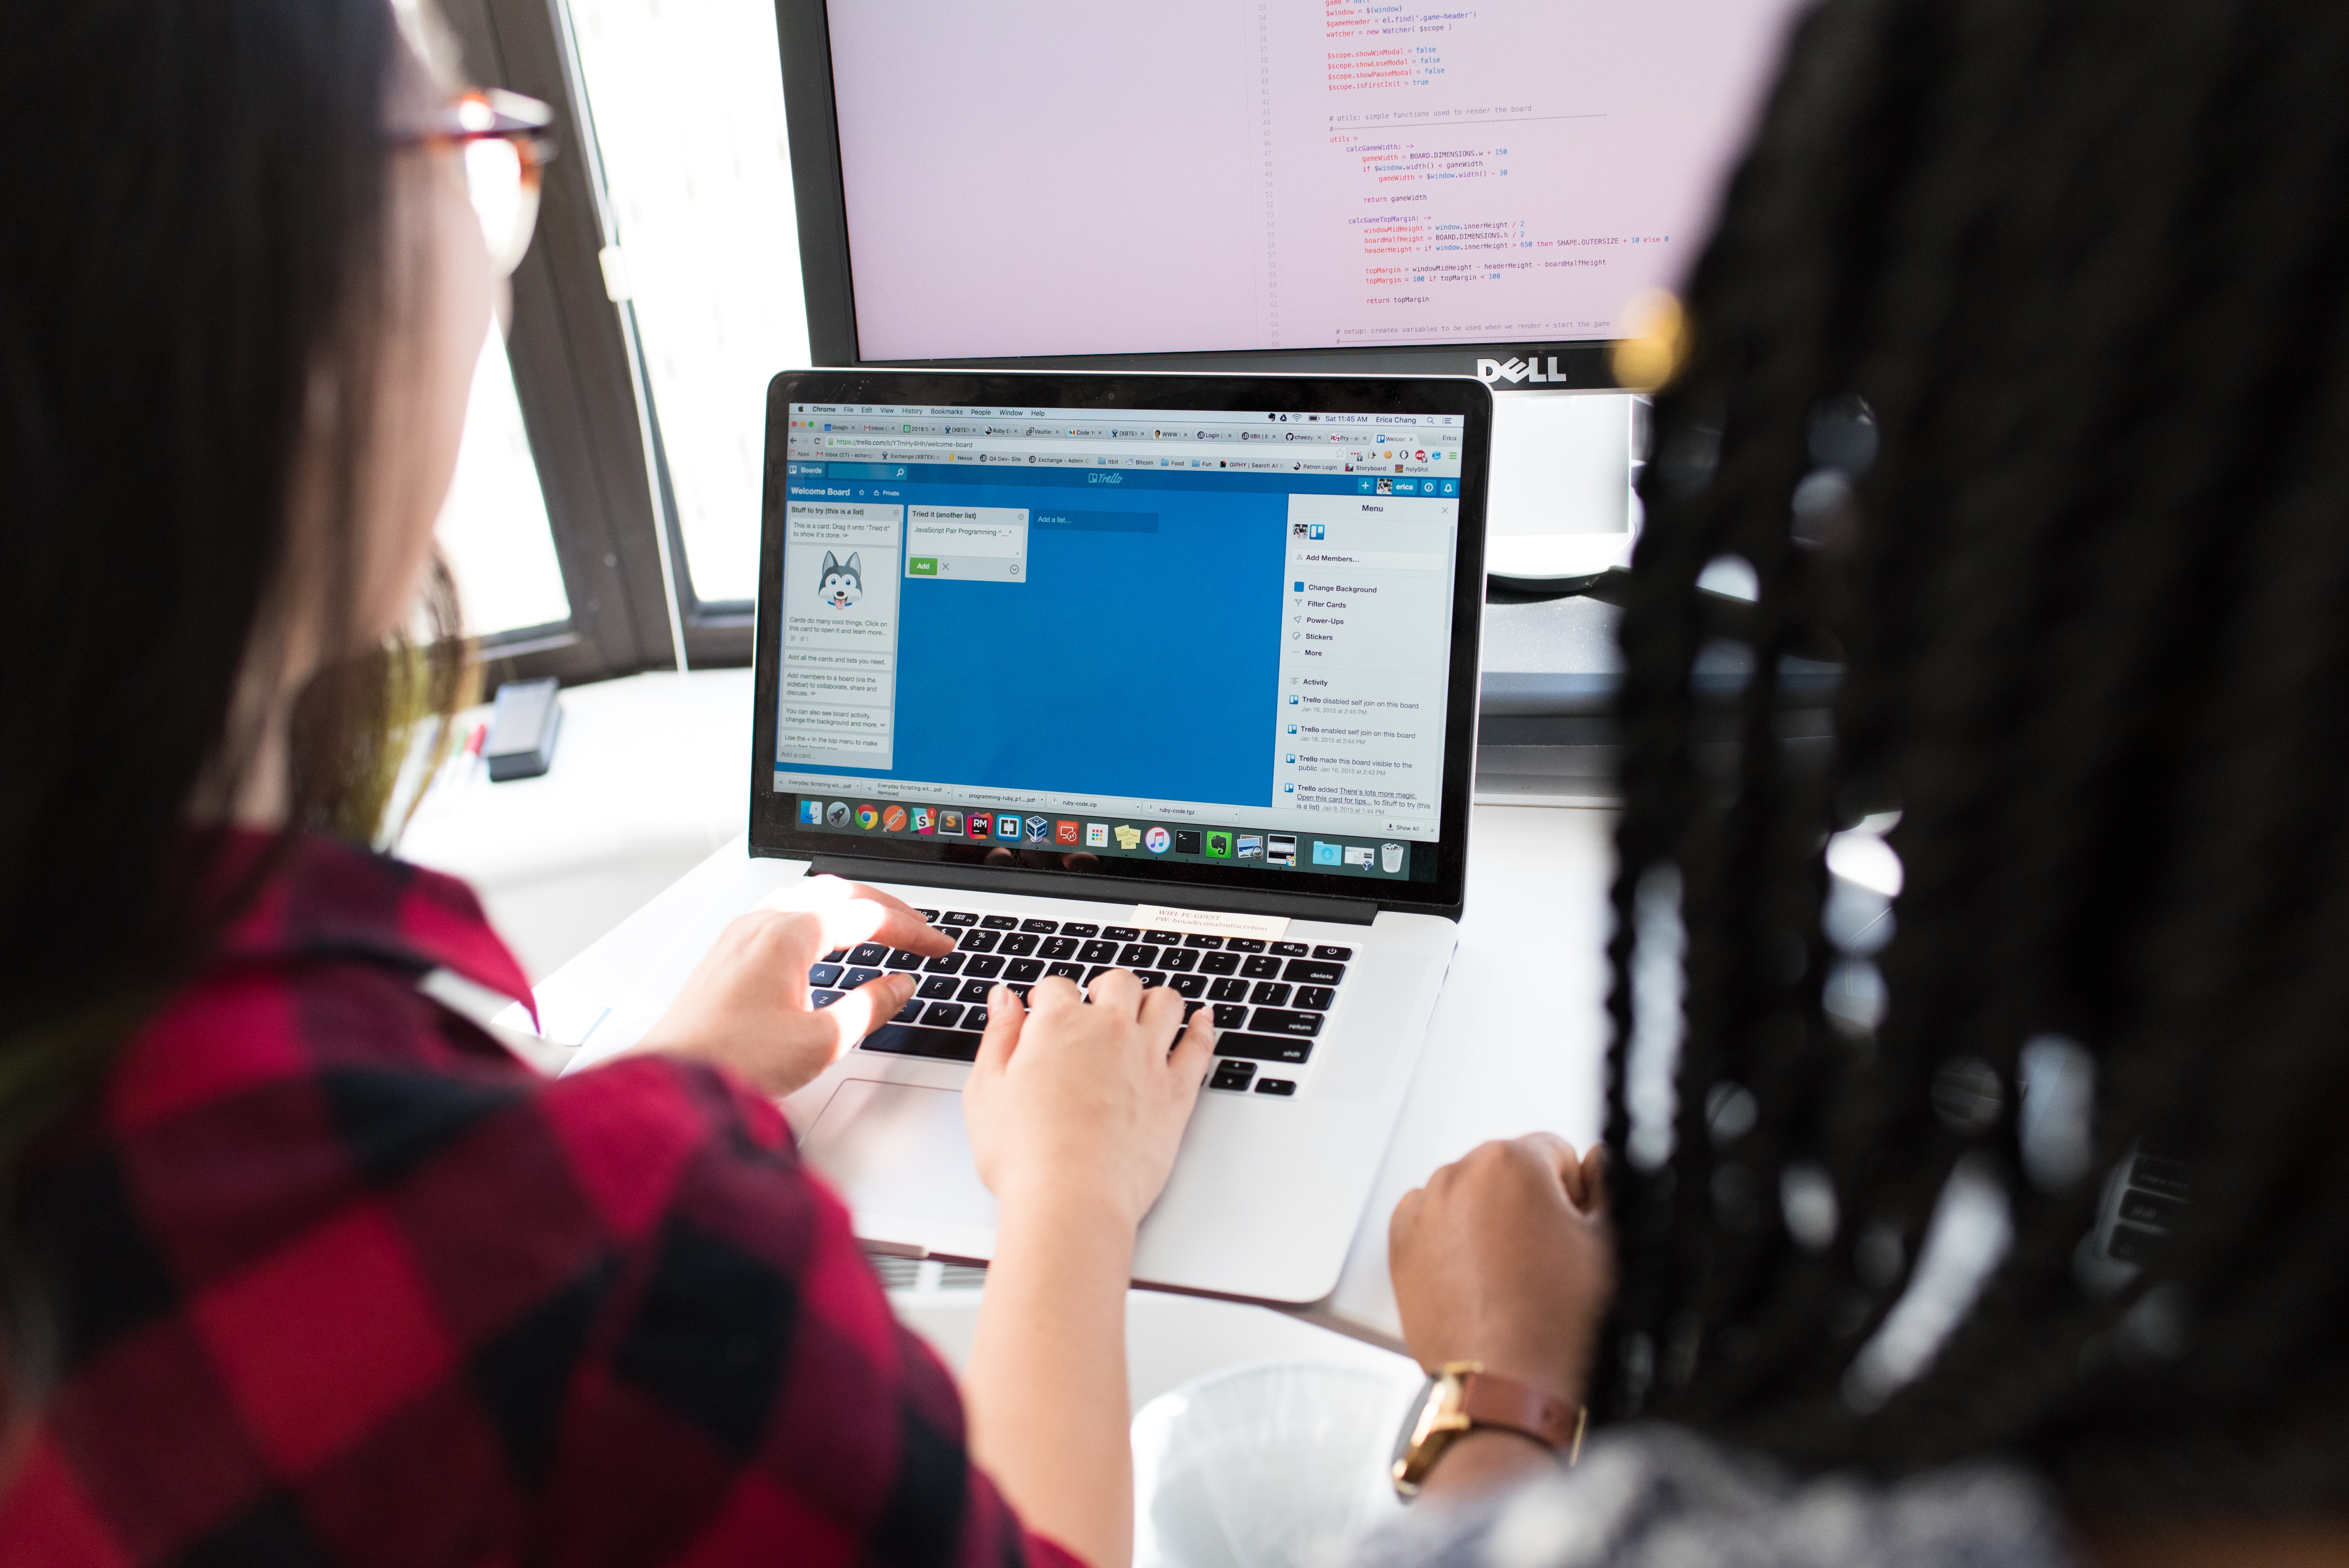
<point x="578" y="375"/>
<point x="718" y="632"/>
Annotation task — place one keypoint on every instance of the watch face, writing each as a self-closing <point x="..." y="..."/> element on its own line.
<point x="1414" y="1454"/>
<point x="1409" y="1434"/>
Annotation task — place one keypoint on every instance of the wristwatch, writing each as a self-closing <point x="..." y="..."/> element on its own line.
<point x="1461" y="1396"/>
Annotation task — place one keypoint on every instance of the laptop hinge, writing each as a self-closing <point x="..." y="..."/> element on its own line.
<point x="1105" y="889"/>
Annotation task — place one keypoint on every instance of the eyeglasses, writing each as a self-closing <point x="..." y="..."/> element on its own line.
<point x="502" y="138"/>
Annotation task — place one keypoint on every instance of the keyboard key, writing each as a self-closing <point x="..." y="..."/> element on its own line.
<point x="1079" y="928"/>
<point x="1275" y="1086"/>
<point x="944" y="963"/>
<point x="1000" y="923"/>
<point x="1187" y="984"/>
<point x="825" y="998"/>
<point x="836" y="955"/>
<point x="1196" y="940"/>
<point x="1024" y="969"/>
<point x="1177" y="959"/>
<point x="1228" y="990"/>
<point x="1228" y="1017"/>
<point x="2131" y="1244"/>
<point x="916" y="1040"/>
<point x="1316" y="997"/>
<point x="973" y="991"/>
<point x="1189" y="1008"/>
<point x="975" y="1019"/>
<point x="1219" y="964"/>
<point x="2166" y="1177"/>
<point x="867" y="953"/>
<point x="929" y="915"/>
<point x="1122" y="933"/>
<point x="1059" y="947"/>
<point x="1283" y="1021"/>
<point x="824" y="974"/>
<point x="1136" y="955"/>
<point x="855" y="977"/>
<point x="1163" y="937"/>
<point x="1260" y="967"/>
<point x="1334" y="955"/>
<point x="986" y="965"/>
<point x="1095" y="973"/>
<point x="911" y="1013"/>
<point x="1099" y="952"/>
<point x="1021" y="992"/>
<point x="901" y="959"/>
<point x="980" y="941"/>
<point x="2146" y="1209"/>
<point x="955" y="917"/>
<point x="1243" y="945"/>
<point x="1232" y="1076"/>
<point x="1313" y="973"/>
<point x="1075" y="972"/>
<point x="1269" y="994"/>
<point x="1018" y="945"/>
<point x="1151" y="979"/>
<point x="1040" y="927"/>
<point x="1289" y="950"/>
<point x="941" y="1015"/>
<point x="1263" y="1047"/>
<point x="939" y="987"/>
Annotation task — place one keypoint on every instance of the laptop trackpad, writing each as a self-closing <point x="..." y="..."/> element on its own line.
<point x="897" y="1148"/>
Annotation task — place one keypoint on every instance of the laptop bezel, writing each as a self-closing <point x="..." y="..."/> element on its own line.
<point x="774" y="829"/>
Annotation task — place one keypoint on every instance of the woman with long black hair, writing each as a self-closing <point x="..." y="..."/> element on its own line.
<point x="1977" y="1179"/>
<point x="299" y="1266"/>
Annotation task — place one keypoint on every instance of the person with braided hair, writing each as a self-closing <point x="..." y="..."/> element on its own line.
<point x="1976" y="1188"/>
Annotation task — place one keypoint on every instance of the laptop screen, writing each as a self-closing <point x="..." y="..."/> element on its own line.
<point x="1120" y="639"/>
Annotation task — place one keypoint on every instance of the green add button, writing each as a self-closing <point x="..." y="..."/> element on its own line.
<point x="922" y="566"/>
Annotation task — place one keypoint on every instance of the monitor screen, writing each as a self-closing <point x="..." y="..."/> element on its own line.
<point x="1039" y="177"/>
<point x="1154" y="638"/>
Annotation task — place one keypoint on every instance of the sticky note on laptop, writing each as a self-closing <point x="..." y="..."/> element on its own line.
<point x="1209" y="922"/>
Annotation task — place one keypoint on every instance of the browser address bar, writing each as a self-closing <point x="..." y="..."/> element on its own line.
<point x="898" y="444"/>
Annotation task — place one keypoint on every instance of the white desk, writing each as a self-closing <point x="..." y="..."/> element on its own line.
<point x="1515" y="1045"/>
<point x="1518" y="1042"/>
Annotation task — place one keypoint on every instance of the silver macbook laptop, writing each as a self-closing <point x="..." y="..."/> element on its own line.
<point x="1171" y="674"/>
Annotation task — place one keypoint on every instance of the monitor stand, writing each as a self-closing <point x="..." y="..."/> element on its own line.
<point x="1560" y="529"/>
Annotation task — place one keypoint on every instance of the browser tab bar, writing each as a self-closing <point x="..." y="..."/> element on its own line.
<point x="1270" y="442"/>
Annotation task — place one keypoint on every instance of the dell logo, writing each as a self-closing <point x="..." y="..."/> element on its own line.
<point x="1492" y="372"/>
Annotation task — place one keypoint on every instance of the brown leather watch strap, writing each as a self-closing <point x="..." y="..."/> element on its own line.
<point x="1488" y="1399"/>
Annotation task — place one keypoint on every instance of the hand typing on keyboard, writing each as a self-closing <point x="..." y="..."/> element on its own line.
<point x="1084" y="1100"/>
<point x="748" y="1004"/>
<point x="1266" y="1001"/>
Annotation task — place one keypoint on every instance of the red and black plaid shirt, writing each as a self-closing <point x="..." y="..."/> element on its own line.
<point x="343" y="1283"/>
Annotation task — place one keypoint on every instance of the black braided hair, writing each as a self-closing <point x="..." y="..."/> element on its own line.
<point x="2020" y="376"/>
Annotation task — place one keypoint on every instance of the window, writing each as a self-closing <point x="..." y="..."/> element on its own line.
<point x="494" y="530"/>
<point x="688" y="105"/>
<point x="660" y="295"/>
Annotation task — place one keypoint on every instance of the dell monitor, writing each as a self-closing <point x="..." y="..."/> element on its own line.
<point x="1329" y="186"/>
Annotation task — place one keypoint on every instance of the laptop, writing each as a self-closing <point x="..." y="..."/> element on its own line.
<point x="1163" y="672"/>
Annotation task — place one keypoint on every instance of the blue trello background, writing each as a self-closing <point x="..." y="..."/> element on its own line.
<point x="1140" y="657"/>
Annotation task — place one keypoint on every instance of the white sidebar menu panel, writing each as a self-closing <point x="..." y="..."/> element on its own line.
<point x="1366" y="640"/>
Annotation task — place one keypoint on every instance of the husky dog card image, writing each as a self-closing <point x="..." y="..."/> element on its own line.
<point x="840" y="583"/>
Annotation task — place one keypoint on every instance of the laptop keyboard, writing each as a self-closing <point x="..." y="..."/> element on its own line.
<point x="2153" y="1198"/>
<point x="1269" y="1000"/>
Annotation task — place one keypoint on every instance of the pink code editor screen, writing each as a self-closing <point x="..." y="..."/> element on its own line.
<point x="1036" y="177"/>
